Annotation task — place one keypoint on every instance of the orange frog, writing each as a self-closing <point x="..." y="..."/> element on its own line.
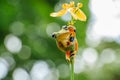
<point x="66" y="41"/>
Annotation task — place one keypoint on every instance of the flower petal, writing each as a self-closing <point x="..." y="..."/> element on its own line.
<point x="79" y="5"/>
<point x="81" y="16"/>
<point x="65" y="6"/>
<point x="72" y="4"/>
<point x="72" y="11"/>
<point x="59" y="13"/>
<point x="78" y="14"/>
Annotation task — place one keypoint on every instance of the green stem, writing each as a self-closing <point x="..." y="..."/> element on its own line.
<point x="72" y="69"/>
<point x="71" y="22"/>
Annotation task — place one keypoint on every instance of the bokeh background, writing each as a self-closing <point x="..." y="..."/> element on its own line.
<point x="27" y="51"/>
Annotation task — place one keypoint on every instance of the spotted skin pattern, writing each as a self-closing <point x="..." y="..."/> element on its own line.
<point x="66" y="41"/>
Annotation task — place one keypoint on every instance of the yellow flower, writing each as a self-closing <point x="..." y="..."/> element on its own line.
<point x="76" y="12"/>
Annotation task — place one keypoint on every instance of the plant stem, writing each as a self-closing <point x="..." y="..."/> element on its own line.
<point x="72" y="69"/>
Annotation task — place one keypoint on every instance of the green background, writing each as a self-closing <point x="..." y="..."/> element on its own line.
<point x="35" y="16"/>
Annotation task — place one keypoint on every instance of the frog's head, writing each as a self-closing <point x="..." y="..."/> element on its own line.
<point x="65" y="29"/>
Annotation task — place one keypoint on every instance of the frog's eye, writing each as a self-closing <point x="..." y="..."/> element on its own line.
<point x="71" y="39"/>
<point x="65" y="27"/>
<point x="53" y="35"/>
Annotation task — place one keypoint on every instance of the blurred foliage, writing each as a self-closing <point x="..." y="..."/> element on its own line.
<point x="34" y="15"/>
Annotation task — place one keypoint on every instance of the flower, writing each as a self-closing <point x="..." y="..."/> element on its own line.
<point x="76" y="12"/>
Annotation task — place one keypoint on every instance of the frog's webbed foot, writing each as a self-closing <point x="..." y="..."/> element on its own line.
<point x="70" y="54"/>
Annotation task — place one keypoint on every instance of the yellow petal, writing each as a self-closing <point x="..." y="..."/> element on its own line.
<point x="81" y="16"/>
<point x="65" y="6"/>
<point x="78" y="14"/>
<point x="72" y="4"/>
<point x="59" y="13"/>
<point x="79" y="5"/>
<point x="72" y="11"/>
